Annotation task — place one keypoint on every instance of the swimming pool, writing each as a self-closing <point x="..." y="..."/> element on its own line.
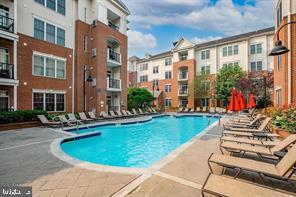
<point x="136" y="145"/>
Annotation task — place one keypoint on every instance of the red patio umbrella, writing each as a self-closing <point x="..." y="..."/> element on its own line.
<point x="234" y="104"/>
<point x="252" y="103"/>
<point x="241" y="100"/>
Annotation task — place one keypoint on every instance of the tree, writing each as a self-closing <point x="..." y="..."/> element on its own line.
<point x="136" y="97"/>
<point x="225" y="80"/>
<point x="200" y="86"/>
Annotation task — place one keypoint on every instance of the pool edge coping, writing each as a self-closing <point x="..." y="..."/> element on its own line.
<point x="56" y="150"/>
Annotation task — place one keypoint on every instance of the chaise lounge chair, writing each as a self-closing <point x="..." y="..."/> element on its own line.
<point x="46" y="122"/>
<point x="242" y="140"/>
<point x="130" y="113"/>
<point x="212" y="110"/>
<point x="69" y="122"/>
<point x="83" y="117"/>
<point x="72" y="118"/>
<point x="262" y="128"/>
<point x="106" y="115"/>
<point x="93" y="116"/>
<point x="197" y="109"/>
<point x="252" y="124"/>
<point x="259" y="150"/>
<point x="120" y="114"/>
<point x="281" y="170"/>
<point x="225" y="186"/>
<point x="135" y="111"/>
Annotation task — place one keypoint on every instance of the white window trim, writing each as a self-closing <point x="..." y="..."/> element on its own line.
<point x="46" y="91"/>
<point x="44" y="65"/>
<point x="256" y="62"/>
<point x="51" y="23"/>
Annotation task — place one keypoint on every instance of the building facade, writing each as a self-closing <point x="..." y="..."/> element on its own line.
<point x="57" y="44"/>
<point x="174" y="71"/>
<point x="285" y="65"/>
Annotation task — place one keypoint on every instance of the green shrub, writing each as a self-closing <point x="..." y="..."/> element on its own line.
<point x="284" y="118"/>
<point x="20" y="116"/>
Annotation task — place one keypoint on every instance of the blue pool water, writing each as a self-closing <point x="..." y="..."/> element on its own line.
<point x="136" y="145"/>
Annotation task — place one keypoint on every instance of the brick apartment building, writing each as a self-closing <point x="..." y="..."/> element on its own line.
<point x="173" y="71"/>
<point x="285" y="65"/>
<point x="48" y="48"/>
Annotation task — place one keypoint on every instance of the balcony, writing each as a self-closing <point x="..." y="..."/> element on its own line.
<point x="113" y="84"/>
<point x="113" y="26"/>
<point x="183" y="91"/>
<point x="6" y="71"/>
<point x="183" y="57"/>
<point x="183" y="76"/>
<point x="6" y="24"/>
<point x="113" y="58"/>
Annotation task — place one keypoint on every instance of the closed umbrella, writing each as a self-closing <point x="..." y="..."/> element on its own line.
<point x="252" y="102"/>
<point x="234" y="104"/>
<point x="241" y="100"/>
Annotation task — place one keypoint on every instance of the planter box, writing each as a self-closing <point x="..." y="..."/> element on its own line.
<point x="19" y="125"/>
<point x="282" y="133"/>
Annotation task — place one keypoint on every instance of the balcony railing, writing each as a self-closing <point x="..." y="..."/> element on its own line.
<point x="113" y="84"/>
<point x="183" y="91"/>
<point x="183" y="57"/>
<point x="114" y="56"/>
<point x="113" y="26"/>
<point x="6" y="24"/>
<point x="183" y="75"/>
<point x="6" y="70"/>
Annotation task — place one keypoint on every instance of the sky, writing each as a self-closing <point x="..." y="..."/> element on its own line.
<point x="156" y="24"/>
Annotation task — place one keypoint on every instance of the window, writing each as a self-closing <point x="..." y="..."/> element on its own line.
<point x="85" y="43"/>
<point x="61" y="37"/>
<point x="50" y="33"/>
<point x="42" y="2"/>
<point x="155" y="82"/>
<point x="41" y="27"/>
<point x="230" y="50"/>
<point x="38" y="29"/>
<point x="143" y="67"/>
<point x="38" y="101"/>
<point x="256" y="66"/>
<point x="224" y="51"/>
<point x="205" y="102"/>
<point x="61" y="69"/>
<point x="256" y="49"/>
<point x="253" y="49"/>
<point x="168" y="74"/>
<point x="61" y="7"/>
<point x="167" y="102"/>
<point x="259" y="48"/>
<point x="231" y="64"/>
<point x="49" y="101"/>
<point x="144" y="78"/>
<point x="168" y="61"/>
<point x="235" y="49"/>
<point x="279" y="16"/>
<point x="38" y="65"/>
<point x="205" y="54"/>
<point x="205" y="70"/>
<point x="155" y="69"/>
<point x="279" y="62"/>
<point x="49" y="67"/>
<point x="168" y="88"/>
<point x="205" y="85"/>
<point x="51" y="4"/>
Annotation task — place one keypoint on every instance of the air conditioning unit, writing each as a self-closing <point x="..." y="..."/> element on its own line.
<point x="94" y="52"/>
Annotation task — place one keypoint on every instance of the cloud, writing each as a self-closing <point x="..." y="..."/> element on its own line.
<point x="223" y="16"/>
<point x="139" y="41"/>
<point x="197" y="40"/>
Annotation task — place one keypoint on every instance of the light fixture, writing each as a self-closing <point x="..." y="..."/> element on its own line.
<point x="278" y="49"/>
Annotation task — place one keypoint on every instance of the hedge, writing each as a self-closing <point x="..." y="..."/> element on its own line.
<point x="20" y="116"/>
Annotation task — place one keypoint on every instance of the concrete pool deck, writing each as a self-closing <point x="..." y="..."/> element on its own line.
<point x="26" y="160"/>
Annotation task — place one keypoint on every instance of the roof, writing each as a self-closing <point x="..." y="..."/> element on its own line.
<point x="134" y="58"/>
<point x="123" y="6"/>
<point x="233" y="38"/>
<point x="157" y="56"/>
<point x="211" y="43"/>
